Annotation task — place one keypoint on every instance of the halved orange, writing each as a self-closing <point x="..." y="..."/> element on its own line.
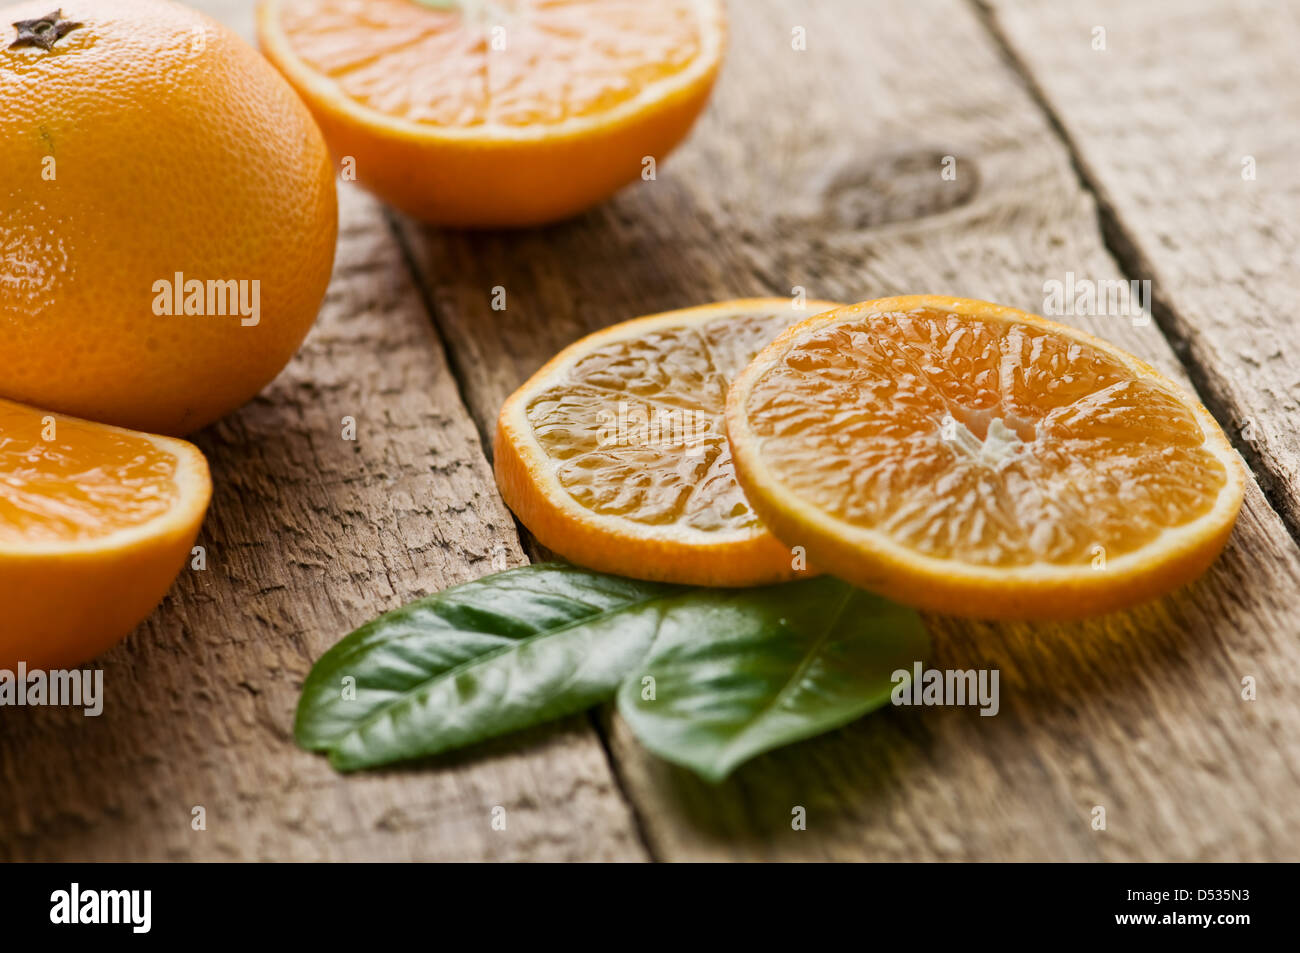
<point x="614" y="455"/>
<point x="497" y="112"/>
<point x="973" y="459"/>
<point x="95" y="523"/>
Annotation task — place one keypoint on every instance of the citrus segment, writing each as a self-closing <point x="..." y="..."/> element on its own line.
<point x="437" y="66"/>
<point x="614" y="453"/>
<point x="977" y="460"/>
<point x="95" y="522"/>
<point x="498" y="112"/>
<point x="86" y="483"/>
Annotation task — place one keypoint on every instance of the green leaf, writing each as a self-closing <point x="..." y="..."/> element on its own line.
<point x="737" y="671"/>
<point x="740" y="672"/>
<point x="475" y="661"/>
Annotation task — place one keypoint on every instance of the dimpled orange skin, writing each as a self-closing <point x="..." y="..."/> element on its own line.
<point x="151" y="141"/>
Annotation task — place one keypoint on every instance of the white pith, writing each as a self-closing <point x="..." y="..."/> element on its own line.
<point x="1000" y="445"/>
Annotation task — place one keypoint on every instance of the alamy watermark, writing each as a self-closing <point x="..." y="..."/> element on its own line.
<point x="133" y="908"/>
<point x="59" y="688"/>
<point x="179" y="295"/>
<point x="1104" y="297"/>
<point x="947" y="687"/>
<point x="635" y="425"/>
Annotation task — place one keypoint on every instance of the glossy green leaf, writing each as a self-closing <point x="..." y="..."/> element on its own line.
<point x="475" y="661"/>
<point x="739" y="672"/>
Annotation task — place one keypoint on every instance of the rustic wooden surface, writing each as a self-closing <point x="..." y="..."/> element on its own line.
<point x="818" y="169"/>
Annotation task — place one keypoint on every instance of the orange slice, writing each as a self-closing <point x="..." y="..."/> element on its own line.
<point x="614" y="455"/>
<point x="976" y="460"/>
<point x="95" y="523"/>
<point x="497" y="112"/>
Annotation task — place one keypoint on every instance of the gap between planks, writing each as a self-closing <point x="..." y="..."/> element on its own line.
<point x="527" y="543"/>
<point x="1124" y="249"/>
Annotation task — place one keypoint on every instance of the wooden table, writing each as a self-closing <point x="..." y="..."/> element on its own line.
<point x="1110" y="138"/>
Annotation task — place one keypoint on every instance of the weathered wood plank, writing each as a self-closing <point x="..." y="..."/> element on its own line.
<point x="309" y="535"/>
<point x="821" y="169"/>
<point x="1185" y="119"/>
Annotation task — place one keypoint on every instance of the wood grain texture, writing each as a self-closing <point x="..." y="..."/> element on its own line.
<point x="310" y="535"/>
<point x="1187" y="127"/>
<point x="821" y="169"/>
<point x="817" y="169"/>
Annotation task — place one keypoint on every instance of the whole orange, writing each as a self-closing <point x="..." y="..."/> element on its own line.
<point x="167" y="214"/>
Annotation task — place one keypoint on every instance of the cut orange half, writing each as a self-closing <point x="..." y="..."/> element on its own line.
<point x="973" y="459"/>
<point x="95" y="523"/>
<point x="614" y="455"/>
<point x="498" y="112"/>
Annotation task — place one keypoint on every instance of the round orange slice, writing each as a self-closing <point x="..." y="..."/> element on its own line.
<point x="498" y="112"/>
<point x="973" y="459"/>
<point x="95" y="523"/>
<point x="614" y="454"/>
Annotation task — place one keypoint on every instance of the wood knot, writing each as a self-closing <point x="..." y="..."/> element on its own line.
<point x="885" y="187"/>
